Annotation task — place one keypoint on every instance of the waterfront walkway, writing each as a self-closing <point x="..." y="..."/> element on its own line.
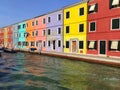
<point x="107" y="60"/>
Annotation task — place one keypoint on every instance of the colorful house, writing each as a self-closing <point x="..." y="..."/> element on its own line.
<point x="5" y="36"/>
<point x="22" y="35"/>
<point x="15" y="36"/>
<point x="30" y="39"/>
<point x="1" y="37"/>
<point x="55" y="31"/>
<point x="9" y="35"/>
<point x="75" y="28"/>
<point x="40" y="32"/>
<point x="104" y="27"/>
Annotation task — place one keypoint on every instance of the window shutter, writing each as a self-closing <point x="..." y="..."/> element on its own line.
<point x="96" y="7"/>
<point x="118" y="45"/>
<point x="88" y="44"/>
<point x="95" y="45"/>
<point x="110" y="42"/>
<point x="110" y="4"/>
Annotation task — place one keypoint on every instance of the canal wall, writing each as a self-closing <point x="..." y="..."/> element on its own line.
<point x="109" y="61"/>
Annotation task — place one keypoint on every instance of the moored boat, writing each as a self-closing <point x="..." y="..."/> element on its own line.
<point x="9" y="50"/>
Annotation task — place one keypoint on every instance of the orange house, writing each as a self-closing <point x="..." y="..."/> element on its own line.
<point x="30" y="39"/>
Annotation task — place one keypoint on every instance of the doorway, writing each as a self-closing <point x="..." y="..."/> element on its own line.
<point x="74" y="46"/>
<point x="103" y="47"/>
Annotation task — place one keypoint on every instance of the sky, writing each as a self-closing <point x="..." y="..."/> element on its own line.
<point x="13" y="11"/>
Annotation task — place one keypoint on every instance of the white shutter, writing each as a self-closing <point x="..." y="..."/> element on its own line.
<point x="92" y="8"/>
<point x="114" y="45"/>
<point x="92" y="43"/>
<point x="115" y="2"/>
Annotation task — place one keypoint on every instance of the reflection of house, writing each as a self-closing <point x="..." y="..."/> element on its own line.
<point x="54" y="31"/>
<point x="75" y="28"/>
<point x="40" y="32"/>
<point x="22" y="35"/>
<point x="104" y="27"/>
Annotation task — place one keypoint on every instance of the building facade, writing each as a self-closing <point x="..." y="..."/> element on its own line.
<point x="30" y="39"/>
<point x="15" y="36"/>
<point x="41" y="33"/>
<point x="54" y="31"/>
<point x="104" y="27"/>
<point x="1" y="37"/>
<point x="5" y="37"/>
<point x="75" y="28"/>
<point x="9" y="36"/>
<point x="22" y="35"/>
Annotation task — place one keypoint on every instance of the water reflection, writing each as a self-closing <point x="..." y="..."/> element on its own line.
<point x="23" y="71"/>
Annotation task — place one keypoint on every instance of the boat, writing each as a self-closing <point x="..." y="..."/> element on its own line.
<point x="9" y="50"/>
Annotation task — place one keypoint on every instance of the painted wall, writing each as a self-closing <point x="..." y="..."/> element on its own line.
<point x="40" y="27"/>
<point x="5" y="36"/>
<point x="103" y="26"/>
<point x="73" y="22"/>
<point x="54" y="37"/>
<point x="15" y="36"/>
<point x="29" y="30"/>
<point x="22" y="31"/>
<point x="10" y="39"/>
<point x="1" y="37"/>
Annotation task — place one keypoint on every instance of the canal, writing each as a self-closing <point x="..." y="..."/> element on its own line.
<point x="24" y="71"/>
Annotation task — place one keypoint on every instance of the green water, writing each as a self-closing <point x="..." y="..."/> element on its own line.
<point x="23" y="71"/>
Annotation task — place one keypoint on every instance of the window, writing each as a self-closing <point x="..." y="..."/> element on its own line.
<point x="81" y="11"/>
<point x="44" y="21"/>
<point x="36" y="22"/>
<point x="92" y="45"/>
<point x="36" y="33"/>
<point x="27" y="44"/>
<point x="59" y="30"/>
<point x="59" y="43"/>
<point x="36" y="44"/>
<point x="24" y="43"/>
<point x="19" y="26"/>
<point x="67" y="15"/>
<point x="44" y="44"/>
<point x="93" y="8"/>
<point x="27" y="25"/>
<point x="81" y="27"/>
<point x="92" y="26"/>
<point x="49" y="43"/>
<point x="114" y="3"/>
<point x="32" y="23"/>
<point x="114" y="45"/>
<point x="32" y="43"/>
<point x="19" y="43"/>
<point x="49" y="19"/>
<point x="59" y="17"/>
<point x="116" y="23"/>
<point x="33" y="33"/>
<point x="67" y="29"/>
<point x="67" y="44"/>
<point x="24" y="25"/>
<point x="49" y="31"/>
<point x="81" y="44"/>
<point x="43" y="32"/>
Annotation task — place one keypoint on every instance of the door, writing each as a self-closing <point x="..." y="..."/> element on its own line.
<point x="54" y="45"/>
<point x="74" y="44"/>
<point x="103" y="47"/>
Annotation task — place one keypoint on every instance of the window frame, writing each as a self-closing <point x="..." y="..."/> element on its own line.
<point x="90" y="26"/>
<point x="82" y="12"/>
<point x="111" y="24"/>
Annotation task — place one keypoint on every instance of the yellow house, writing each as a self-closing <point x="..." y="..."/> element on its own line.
<point x="75" y="28"/>
<point x="5" y="36"/>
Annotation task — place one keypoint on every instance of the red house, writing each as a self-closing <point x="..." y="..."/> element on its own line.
<point x="1" y="37"/>
<point x="104" y="27"/>
<point x="10" y="38"/>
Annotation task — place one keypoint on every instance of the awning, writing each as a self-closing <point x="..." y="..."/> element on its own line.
<point x="115" y="2"/>
<point x="114" y="45"/>
<point x="92" y="43"/>
<point x="92" y="7"/>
